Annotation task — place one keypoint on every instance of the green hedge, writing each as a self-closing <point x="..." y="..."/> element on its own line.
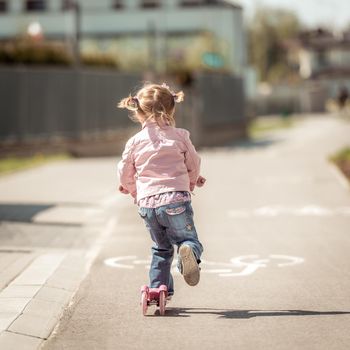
<point x="29" y="52"/>
<point x="99" y="60"/>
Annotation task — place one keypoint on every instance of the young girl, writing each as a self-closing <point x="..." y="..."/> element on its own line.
<point x="159" y="168"/>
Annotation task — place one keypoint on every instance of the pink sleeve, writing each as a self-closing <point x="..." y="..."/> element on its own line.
<point x="192" y="160"/>
<point x="126" y="169"/>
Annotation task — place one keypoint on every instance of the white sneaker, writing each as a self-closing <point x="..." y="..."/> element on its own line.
<point x="190" y="269"/>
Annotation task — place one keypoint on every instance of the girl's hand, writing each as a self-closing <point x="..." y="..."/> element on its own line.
<point x="200" y="181"/>
<point x="123" y="190"/>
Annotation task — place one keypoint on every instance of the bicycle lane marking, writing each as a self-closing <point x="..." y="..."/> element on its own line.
<point x="248" y="264"/>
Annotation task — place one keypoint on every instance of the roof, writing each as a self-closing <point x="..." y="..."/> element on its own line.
<point x="331" y="72"/>
<point x="226" y="3"/>
<point x="321" y="39"/>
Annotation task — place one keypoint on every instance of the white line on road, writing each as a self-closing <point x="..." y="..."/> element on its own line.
<point x="278" y="210"/>
<point x="247" y="264"/>
<point x="287" y="180"/>
<point x="115" y="262"/>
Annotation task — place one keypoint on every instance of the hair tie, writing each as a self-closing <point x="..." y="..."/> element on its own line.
<point x="164" y="85"/>
<point x="133" y="103"/>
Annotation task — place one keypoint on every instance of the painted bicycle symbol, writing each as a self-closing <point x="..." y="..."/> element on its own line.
<point x="238" y="266"/>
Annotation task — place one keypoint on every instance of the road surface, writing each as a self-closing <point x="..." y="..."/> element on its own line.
<point x="274" y="219"/>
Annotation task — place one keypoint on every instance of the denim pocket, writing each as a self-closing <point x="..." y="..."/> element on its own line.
<point x="175" y="211"/>
<point x="179" y="218"/>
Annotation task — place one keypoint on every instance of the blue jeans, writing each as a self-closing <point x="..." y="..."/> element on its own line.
<point x="169" y="225"/>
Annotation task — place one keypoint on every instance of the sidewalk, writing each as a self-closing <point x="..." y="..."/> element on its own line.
<point x="53" y="219"/>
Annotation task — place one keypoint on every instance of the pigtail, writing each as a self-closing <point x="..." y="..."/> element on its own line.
<point x="153" y="102"/>
<point x="131" y="103"/>
<point x="179" y="96"/>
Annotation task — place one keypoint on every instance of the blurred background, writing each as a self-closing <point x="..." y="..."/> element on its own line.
<point x="266" y="86"/>
<point x="65" y="64"/>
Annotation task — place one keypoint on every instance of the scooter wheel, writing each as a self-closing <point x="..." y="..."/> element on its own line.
<point x="144" y="303"/>
<point x="162" y="303"/>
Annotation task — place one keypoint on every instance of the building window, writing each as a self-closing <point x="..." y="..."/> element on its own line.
<point x="322" y="59"/>
<point x="150" y="3"/>
<point x="3" y="6"/>
<point x="213" y="2"/>
<point x="118" y="4"/>
<point x="67" y="5"/>
<point x="190" y="3"/>
<point x="35" y="5"/>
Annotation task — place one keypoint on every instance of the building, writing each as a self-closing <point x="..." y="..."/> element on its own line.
<point x="140" y="34"/>
<point x="323" y="61"/>
<point x="324" y="54"/>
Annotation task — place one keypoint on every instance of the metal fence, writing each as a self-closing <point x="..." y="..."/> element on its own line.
<point x="222" y="99"/>
<point x="47" y="103"/>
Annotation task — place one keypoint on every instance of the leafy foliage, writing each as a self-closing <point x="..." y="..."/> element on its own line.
<point x="29" y="52"/>
<point x="32" y="53"/>
<point x="268" y="31"/>
<point x="99" y="60"/>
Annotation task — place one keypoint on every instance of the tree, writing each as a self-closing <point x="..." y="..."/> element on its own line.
<point x="267" y="32"/>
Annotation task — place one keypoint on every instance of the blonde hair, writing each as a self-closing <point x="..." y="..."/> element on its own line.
<point x="153" y="101"/>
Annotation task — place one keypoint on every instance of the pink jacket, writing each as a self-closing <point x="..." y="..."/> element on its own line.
<point x="158" y="159"/>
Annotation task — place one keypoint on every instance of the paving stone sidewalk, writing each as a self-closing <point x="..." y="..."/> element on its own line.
<point x="52" y="221"/>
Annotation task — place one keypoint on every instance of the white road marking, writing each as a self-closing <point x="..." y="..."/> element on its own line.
<point x="248" y="264"/>
<point x="313" y="210"/>
<point x="115" y="262"/>
<point x="293" y="260"/>
<point x="251" y="263"/>
<point x="272" y="180"/>
<point x="215" y="263"/>
<point x="248" y="270"/>
<point x="275" y="210"/>
<point x="267" y="211"/>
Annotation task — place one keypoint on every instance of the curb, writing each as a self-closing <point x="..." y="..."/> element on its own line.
<point x="32" y="305"/>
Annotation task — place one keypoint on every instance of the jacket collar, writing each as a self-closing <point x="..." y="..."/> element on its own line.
<point x="151" y="124"/>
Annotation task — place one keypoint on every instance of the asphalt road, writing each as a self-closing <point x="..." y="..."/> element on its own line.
<point x="274" y="219"/>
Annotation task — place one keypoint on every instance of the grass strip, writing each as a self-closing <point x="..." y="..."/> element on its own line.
<point x="262" y="125"/>
<point x="12" y="164"/>
<point x="342" y="160"/>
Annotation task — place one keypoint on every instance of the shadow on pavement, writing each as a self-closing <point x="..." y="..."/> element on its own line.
<point x="21" y="212"/>
<point x="248" y="144"/>
<point x="245" y="314"/>
<point x="255" y="143"/>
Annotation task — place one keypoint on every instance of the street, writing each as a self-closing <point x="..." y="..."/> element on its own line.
<point x="274" y="220"/>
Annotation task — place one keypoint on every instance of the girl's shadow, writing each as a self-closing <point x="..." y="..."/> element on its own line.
<point x="245" y="314"/>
